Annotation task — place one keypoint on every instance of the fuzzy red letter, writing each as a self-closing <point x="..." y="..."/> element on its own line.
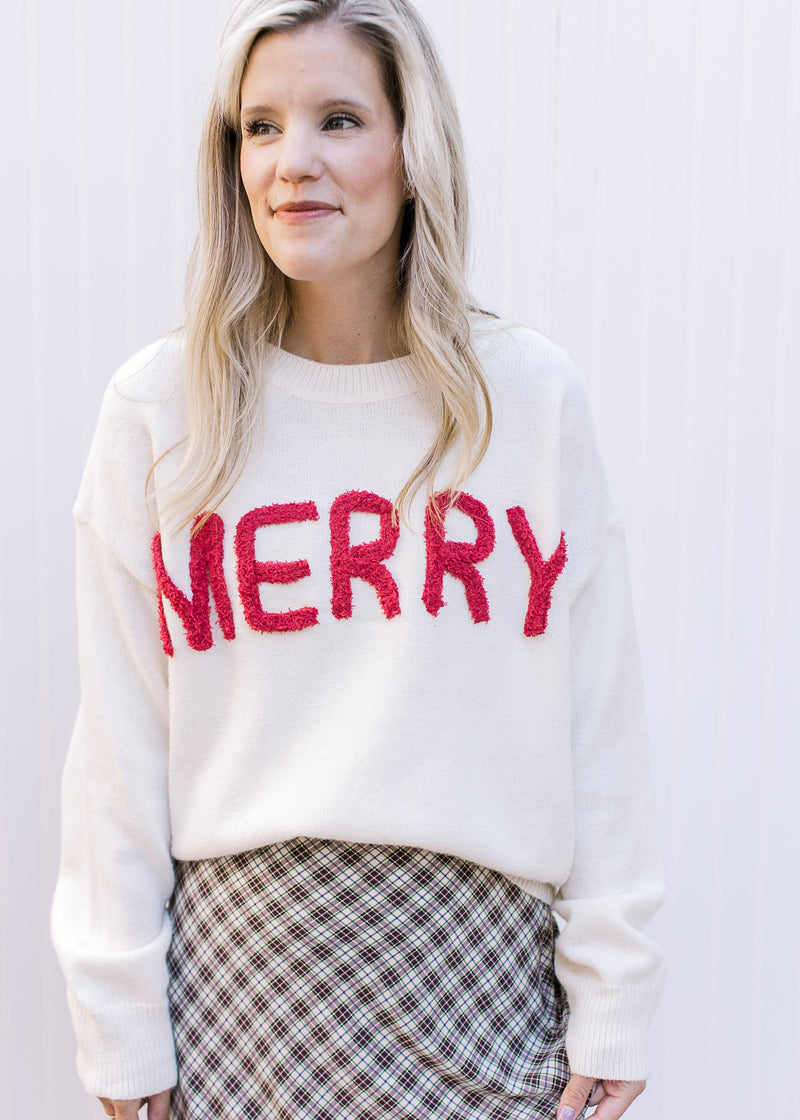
<point x="457" y="558"/>
<point x="362" y="561"/>
<point x="543" y="573"/>
<point x="252" y="572"/>
<point x="205" y="573"/>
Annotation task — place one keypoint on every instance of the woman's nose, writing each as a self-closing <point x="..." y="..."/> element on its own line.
<point x="298" y="154"/>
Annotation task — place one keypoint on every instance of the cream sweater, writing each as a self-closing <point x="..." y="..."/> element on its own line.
<point x="305" y="667"/>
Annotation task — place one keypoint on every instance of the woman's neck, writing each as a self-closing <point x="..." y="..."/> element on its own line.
<point x="335" y="325"/>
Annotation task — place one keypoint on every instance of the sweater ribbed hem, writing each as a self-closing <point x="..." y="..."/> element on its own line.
<point x="126" y="1052"/>
<point x="543" y="891"/>
<point x="344" y="384"/>
<point x="606" y="1036"/>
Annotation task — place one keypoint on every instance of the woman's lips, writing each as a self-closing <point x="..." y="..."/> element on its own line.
<point x="292" y="213"/>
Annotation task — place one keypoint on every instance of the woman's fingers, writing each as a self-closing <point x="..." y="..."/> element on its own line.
<point x="597" y="1094"/>
<point x="619" y="1094"/>
<point x="611" y="1097"/>
<point x="157" y="1107"/>
<point x="121" y="1110"/>
<point x="574" y="1097"/>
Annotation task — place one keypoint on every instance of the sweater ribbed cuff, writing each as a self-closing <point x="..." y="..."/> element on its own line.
<point x="127" y="1052"/>
<point x="607" y="1032"/>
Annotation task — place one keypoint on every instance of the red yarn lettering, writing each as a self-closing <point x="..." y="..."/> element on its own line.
<point x="543" y="573"/>
<point x="251" y="572"/>
<point x="362" y="561"/>
<point x="206" y="574"/>
<point x="457" y="558"/>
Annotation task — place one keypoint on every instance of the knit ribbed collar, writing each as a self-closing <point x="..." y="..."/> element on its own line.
<point x="315" y="381"/>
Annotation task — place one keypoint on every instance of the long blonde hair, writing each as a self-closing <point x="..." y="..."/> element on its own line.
<point x="237" y="300"/>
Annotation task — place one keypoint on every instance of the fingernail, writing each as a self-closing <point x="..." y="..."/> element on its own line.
<point x="566" y="1113"/>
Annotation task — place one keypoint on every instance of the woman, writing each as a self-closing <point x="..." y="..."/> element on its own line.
<point x="361" y="704"/>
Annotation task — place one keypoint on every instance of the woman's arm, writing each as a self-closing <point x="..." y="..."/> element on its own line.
<point x="610" y="969"/>
<point x="110" y="922"/>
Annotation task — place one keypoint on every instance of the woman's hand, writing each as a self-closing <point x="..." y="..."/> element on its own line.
<point x="611" y="1097"/>
<point x="157" y="1107"/>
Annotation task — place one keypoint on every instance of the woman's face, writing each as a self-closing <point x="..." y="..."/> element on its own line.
<point x="320" y="160"/>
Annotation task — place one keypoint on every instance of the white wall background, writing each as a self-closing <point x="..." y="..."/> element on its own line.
<point x="636" y="168"/>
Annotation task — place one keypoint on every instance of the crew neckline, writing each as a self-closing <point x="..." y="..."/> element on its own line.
<point x="317" y="381"/>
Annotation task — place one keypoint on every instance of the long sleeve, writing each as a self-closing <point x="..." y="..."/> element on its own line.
<point x="610" y="969"/>
<point x="110" y="923"/>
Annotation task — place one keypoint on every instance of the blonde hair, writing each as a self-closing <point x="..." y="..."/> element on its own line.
<point x="238" y="301"/>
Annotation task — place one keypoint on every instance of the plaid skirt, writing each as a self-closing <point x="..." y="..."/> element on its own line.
<point x="322" y="980"/>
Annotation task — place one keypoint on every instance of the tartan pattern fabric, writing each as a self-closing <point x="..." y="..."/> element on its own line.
<point x="323" y="980"/>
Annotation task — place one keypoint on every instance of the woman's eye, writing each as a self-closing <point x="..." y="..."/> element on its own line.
<point x="339" y="122"/>
<point x="259" y="128"/>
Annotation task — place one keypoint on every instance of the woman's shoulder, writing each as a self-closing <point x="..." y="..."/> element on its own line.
<point x="142" y="410"/>
<point x="144" y="403"/>
<point x="522" y="360"/>
<point x="153" y="374"/>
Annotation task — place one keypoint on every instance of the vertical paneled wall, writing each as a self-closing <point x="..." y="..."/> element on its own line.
<point x="636" y="179"/>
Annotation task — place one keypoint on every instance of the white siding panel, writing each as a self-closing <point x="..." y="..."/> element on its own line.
<point x="636" y="176"/>
<point x="578" y="172"/>
<point x="775" y="989"/>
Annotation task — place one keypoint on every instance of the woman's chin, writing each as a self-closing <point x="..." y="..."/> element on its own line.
<point x="308" y="272"/>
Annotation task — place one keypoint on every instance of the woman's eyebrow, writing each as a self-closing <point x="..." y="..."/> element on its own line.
<point x="338" y="102"/>
<point x="268" y="109"/>
<point x="330" y="103"/>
